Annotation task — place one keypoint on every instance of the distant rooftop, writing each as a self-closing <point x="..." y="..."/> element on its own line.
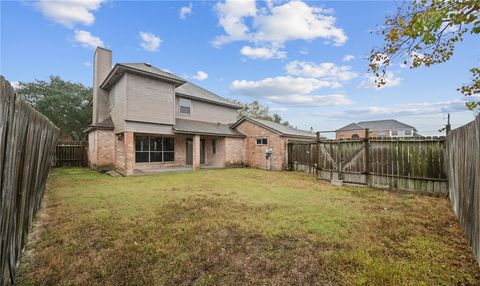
<point x="377" y="125"/>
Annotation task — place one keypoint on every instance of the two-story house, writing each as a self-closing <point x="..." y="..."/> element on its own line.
<point x="147" y="119"/>
<point x="389" y="128"/>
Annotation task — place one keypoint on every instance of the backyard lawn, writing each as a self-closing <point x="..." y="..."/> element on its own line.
<point x="240" y="226"/>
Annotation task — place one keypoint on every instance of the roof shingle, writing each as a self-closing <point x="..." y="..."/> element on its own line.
<point x="207" y="128"/>
<point x="280" y="128"/>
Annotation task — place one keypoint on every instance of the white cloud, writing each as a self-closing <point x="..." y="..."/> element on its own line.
<point x="301" y="100"/>
<point x="303" y="51"/>
<point x="348" y="58"/>
<point x="281" y="85"/>
<point x="295" y="91"/>
<point x="231" y="15"/>
<point x="278" y="109"/>
<point x="185" y="11"/>
<point x="328" y="71"/>
<point x="401" y="110"/>
<point x="262" y="53"/>
<point x="69" y="13"/>
<point x="273" y="26"/>
<point x="390" y="81"/>
<point x="150" y="42"/>
<point x="87" y="40"/>
<point x="87" y="64"/>
<point x="201" y="75"/>
<point x="296" y="20"/>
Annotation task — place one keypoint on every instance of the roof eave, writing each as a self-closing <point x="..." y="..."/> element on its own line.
<point x="125" y="68"/>
<point x="255" y="122"/>
<point x="176" y="131"/>
<point x="209" y="101"/>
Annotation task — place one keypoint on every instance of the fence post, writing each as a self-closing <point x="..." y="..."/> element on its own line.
<point x="317" y="160"/>
<point x="367" y="157"/>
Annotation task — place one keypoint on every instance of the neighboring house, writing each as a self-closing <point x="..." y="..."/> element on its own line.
<point x="145" y="119"/>
<point x="389" y="128"/>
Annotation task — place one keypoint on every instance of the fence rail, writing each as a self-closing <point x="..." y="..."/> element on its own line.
<point x="71" y="154"/>
<point x="406" y="164"/>
<point x="27" y="141"/>
<point x="463" y="153"/>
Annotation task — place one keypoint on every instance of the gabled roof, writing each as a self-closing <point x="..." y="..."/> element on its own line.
<point x="351" y="126"/>
<point x="182" y="87"/>
<point x="277" y="127"/>
<point x="377" y="125"/>
<point x="143" y="69"/>
<point x="194" y="91"/>
<point x="389" y="124"/>
<point x="184" y="126"/>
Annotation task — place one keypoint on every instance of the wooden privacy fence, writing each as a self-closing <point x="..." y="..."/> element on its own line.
<point x="71" y="154"/>
<point x="416" y="164"/>
<point x="463" y="154"/>
<point x="27" y="141"/>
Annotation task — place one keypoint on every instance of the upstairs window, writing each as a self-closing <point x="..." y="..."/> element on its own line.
<point x="394" y="132"/>
<point x="262" y="141"/>
<point x="408" y="132"/>
<point x="185" y="106"/>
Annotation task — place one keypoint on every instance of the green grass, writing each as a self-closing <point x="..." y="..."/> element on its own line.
<point x="240" y="226"/>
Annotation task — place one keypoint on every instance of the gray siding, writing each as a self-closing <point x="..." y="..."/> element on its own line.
<point x="152" y="128"/>
<point x="207" y="112"/>
<point x="118" y="101"/>
<point x="150" y="100"/>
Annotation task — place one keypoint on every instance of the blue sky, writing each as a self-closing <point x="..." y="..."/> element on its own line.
<point x="305" y="60"/>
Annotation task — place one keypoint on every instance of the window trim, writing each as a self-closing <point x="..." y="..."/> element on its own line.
<point x="180" y="106"/>
<point x="262" y="141"/>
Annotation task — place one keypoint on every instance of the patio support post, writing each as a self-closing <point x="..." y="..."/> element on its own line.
<point x="129" y="152"/>
<point x="196" y="152"/>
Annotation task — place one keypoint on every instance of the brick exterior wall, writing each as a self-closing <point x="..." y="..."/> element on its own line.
<point x="234" y="151"/>
<point x="216" y="159"/>
<point x="120" y="154"/>
<point x="101" y="151"/>
<point x="255" y="154"/>
<point x="129" y="152"/>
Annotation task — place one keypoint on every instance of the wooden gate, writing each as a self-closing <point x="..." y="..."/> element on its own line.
<point x="343" y="160"/>
<point x="414" y="164"/>
<point x="71" y="154"/>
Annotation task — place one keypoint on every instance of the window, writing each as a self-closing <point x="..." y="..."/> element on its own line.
<point x="381" y="134"/>
<point x="214" y="146"/>
<point x="394" y="132"/>
<point x="355" y="136"/>
<point x="154" y="149"/>
<point x="408" y="132"/>
<point x="185" y="106"/>
<point x="262" y="141"/>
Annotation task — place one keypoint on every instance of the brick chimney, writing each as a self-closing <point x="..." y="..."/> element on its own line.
<point x="102" y="64"/>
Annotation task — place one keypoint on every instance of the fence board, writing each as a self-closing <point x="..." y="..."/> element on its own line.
<point x="463" y="154"/>
<point x="405" y="164"/>
<point x="26" y="148"/>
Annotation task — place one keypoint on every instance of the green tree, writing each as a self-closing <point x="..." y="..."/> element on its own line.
<point x="256" y="110"/>
<point x="424" y="33"/>
<point x="65" y="103"/>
